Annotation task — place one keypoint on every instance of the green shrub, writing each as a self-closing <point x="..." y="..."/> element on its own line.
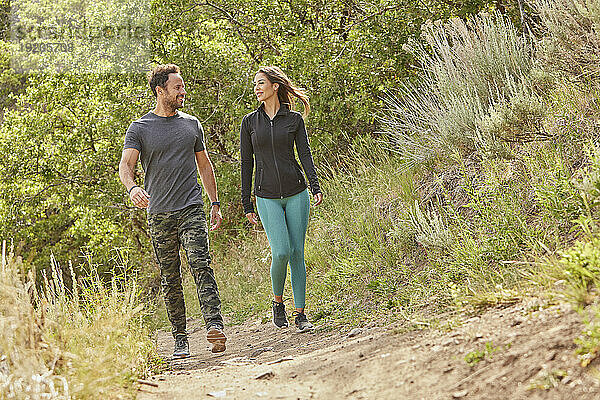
<point x="476" y="356"/>
<point x="588" y="343"/>
<point x="581" y="266"/>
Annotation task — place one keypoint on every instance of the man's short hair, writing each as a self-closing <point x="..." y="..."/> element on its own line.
<point x="160" y="75"/>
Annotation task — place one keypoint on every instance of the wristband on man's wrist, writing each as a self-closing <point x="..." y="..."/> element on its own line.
<point x="131" y="188"/>
<point x="216" y="203"/>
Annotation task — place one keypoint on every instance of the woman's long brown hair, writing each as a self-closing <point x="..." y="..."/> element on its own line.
<point x="287" y="90"/>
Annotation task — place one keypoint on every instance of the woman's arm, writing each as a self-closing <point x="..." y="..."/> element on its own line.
<point x="247" y="167"/>
<point x="303" y="148"/>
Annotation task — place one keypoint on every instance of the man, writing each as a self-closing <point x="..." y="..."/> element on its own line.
<point x="171" y="147"/>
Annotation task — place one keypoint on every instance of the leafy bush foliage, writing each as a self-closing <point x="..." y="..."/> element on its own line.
<point x="61" y="146"/>
<point x="581" y="264"/>
<point x="588" y="343"/>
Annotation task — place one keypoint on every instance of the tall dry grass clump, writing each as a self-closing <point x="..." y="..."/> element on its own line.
<point x="571" y="35"/>
<point x="27" y="362"/>
<point x="55" y="343"/>
<point x="467" y="69"/>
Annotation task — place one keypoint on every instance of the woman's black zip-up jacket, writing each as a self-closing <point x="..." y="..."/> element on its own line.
<point x="271" y="144"/>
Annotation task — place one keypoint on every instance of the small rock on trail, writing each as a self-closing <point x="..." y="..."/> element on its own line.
<point x="265" y="375"/>
<point x="354" y="332"/>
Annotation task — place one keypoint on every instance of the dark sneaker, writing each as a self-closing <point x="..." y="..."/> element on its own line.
<point x="279" y="316"/>
<point x="216" y="336"/>
<point x="182" y="347"/>
<point x="302" y="322"/>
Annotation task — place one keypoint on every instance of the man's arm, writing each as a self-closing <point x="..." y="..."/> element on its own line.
<point x="207" y="175"/>
<point x="129" y="159"/>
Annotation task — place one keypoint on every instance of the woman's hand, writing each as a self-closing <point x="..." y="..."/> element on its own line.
<point x="252" y="218"/>
<point x="318" y="198"/>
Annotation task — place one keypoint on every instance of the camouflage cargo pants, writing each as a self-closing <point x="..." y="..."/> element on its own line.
<point x="186" y="228"/>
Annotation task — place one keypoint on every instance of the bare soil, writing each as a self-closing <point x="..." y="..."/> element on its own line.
<point x="530" y="355"/>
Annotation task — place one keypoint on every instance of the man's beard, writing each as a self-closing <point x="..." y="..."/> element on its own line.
<point x="174" y="104"/>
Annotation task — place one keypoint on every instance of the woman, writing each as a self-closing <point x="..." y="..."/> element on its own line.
<point x="268" y="136"/>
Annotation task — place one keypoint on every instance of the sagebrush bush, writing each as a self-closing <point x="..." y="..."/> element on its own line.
<point x="571" y="40"/>
<point x="519" y="119"/>
<point x="467" y="68"/>
<point x="480" y="55"/>
<point x="430" y="228"/>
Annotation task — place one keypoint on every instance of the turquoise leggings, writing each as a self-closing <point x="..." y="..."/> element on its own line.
<point x="285" y="222"/>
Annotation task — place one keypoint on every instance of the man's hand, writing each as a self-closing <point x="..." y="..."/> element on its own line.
<point x="139" y="197"/>
<point x="207" y="175"/>
<point x="252" y="218"/>
<point x="215" y="217"/>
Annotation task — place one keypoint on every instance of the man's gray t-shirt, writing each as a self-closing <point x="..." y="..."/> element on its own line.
<point x="167" y="147"/>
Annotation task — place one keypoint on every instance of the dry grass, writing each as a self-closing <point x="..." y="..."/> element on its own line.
<point x="58" y="344"/>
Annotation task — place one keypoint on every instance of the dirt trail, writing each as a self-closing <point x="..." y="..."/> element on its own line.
<point x="531" y="347"/>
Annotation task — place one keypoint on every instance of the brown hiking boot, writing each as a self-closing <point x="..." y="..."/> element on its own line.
<point x="216" y="336"/>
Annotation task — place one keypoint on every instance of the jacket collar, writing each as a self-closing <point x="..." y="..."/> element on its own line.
<point x="283" y="109"/>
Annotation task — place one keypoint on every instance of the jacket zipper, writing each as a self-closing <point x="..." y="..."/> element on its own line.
<point x="275" y="159"/>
